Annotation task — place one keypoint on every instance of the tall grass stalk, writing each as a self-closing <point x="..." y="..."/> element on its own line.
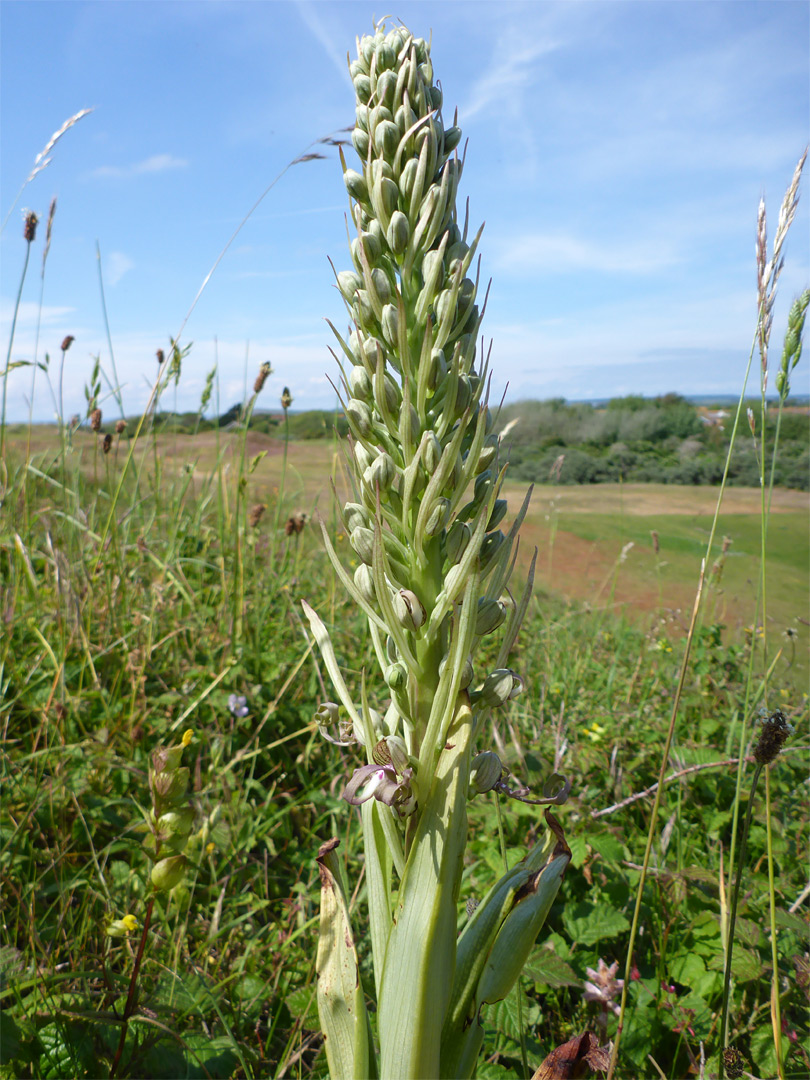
<point x="768" y="275"/>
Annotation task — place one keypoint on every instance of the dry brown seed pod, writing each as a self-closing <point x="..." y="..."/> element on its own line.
<point x="67" y="342"/>
<point x="107" y="444"/>
<point x="261" y="378"/>
<point x="161" y="356"/>
<point x="30" y="226"/>
<point x="95" y="420"/>
<point x="255" y="514"/>
<point x="120" y="427"/>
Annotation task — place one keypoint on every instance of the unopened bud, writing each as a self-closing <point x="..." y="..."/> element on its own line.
<point x="438" y="517"/>
<point x="168" y="872"/>
<point x="382" y="472"/>
<point x="491" y="614"/>
<point x="362" y="540"/>
<point x="500" y="686"/>
<point x="408" y="609"/>
<point x="364" y="580"/>
<point x="398" y="233"/>
<point x="359" y="416"/>
<point x="360" y="383"/>
<point x="485" y="772"/>
<point x="457" y="540"/>
<point x="396" y="676"/>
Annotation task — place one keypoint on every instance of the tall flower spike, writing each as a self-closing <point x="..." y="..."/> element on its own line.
<point x="435" y="566"/>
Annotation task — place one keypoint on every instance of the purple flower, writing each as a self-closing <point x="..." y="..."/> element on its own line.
<point x="238" y="706"/>
<point x="380" y="782"/>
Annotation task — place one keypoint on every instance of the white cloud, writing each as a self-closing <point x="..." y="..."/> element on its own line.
<point x="314" y="22"/>
<point x="117" y="265"/>
<point x="155" y="164"/>
<point x="555" y="252"/>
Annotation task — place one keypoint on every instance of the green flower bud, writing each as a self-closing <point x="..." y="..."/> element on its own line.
<point x="175" y="823"/>
<point x="382" y="471"/>
<point x="364" y="580"/>
<point x="363" y="308"/>
<point x="362" y="86"/>
<point x="356" y="185"/>
<point x="168" y="872"/>
<point x="408" y="609"/>
<point x="407" y="178"/>
<point x="452" y="137"/>
<point x="432" y="453"/>
<point x="363" y="458"/>
<point x="491" y="614"/>
<point x="498" y="513"/>
<point x="361" y="117"/>
<point x="398" y="233"/>
<point x="390" y="324"/>
<point x="457" y="540"/>
<point x="482" y="485"/>
<point x="359" y="416"/>
<point x="437" y="519"/>
<point x="396" y="676"/>
<point x="386" y="138"/>
<point x="371" y="247"/>
<point x="355" y="515"/>
<point x="361" y="142"/>
<point x="485" y="772"/>
<point x="384" y="198"/>
<point x="393" y="394"/>
<point x="490" y="549"/>
<point x="435" y="95"/>
<point x="348" y="282"/>
<point x="381" y="285"/>
<point x="467" y="672"/>
<point x="362" y="540"/>
<point x="386" y="85"/>
<point x="358" y="67"/>
<point x="360" y="383"/>
<point x="499" y="686"/>
<point x="488" y="453"/>
<point x="463" y="396"/>
<point x="437" y="372"/>
<point x="445" y="306"/>
<point x="367" y="47"/>
<point x="379" y="115"/>
<point x="170" y="788"/>
<point x="386" y="57"/>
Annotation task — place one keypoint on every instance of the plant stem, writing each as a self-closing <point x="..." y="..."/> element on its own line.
<point x="129" y="1007"/>
<point x="10" y="345"/>
<point x="733" y="919"/>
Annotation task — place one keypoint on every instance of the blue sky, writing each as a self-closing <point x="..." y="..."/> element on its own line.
<point x="617" y="153"/>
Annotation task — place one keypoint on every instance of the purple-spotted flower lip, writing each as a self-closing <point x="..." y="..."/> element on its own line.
<point x="381" y="782"/>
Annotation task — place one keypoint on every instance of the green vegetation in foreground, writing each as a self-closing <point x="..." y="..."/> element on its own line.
<point x="109" y="652"/>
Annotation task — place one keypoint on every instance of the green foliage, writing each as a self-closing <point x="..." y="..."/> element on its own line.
<point x="661" y="440"/>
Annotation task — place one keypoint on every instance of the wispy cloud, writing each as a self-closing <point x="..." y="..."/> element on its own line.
<point x="157" y="163"/>
<point x="314" y="21"/>
<point x="118" y="264"/>
<point x="510" y="73"/>
<point x="557" y="252"/>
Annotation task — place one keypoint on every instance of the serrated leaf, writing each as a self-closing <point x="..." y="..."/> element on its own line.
<point x="589" y="924"/>
<point x="608" y="846"/>
<point x="746" y="966"/>
<point x="505" y="1017"/>
<point x="303" y="1006"/>
<point x="546" y="967"/>
<point x="579" y="851"/>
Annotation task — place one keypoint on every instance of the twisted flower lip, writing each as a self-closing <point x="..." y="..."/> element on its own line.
<point x="381" y="783"/>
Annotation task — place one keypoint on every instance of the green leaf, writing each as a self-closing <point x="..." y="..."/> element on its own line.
<point x="588" y="924"/>
<point x="608" y="846"/>
<point x="505" y="1016"/>
<point x="548" y="968"/>
<point x="10" y="1038"/>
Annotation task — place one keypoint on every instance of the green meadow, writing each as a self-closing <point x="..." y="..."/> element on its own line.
<point x="139" y="603"/>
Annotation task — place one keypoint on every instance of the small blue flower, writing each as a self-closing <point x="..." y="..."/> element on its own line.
<point x="238" y="706"/>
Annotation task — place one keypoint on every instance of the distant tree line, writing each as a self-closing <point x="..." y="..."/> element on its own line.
<point x="664" y="440"/>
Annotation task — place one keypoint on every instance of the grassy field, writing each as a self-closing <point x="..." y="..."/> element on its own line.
<point x="123" y="630"/>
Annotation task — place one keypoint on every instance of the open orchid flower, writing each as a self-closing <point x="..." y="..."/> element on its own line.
<point x="381" y="783"/>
